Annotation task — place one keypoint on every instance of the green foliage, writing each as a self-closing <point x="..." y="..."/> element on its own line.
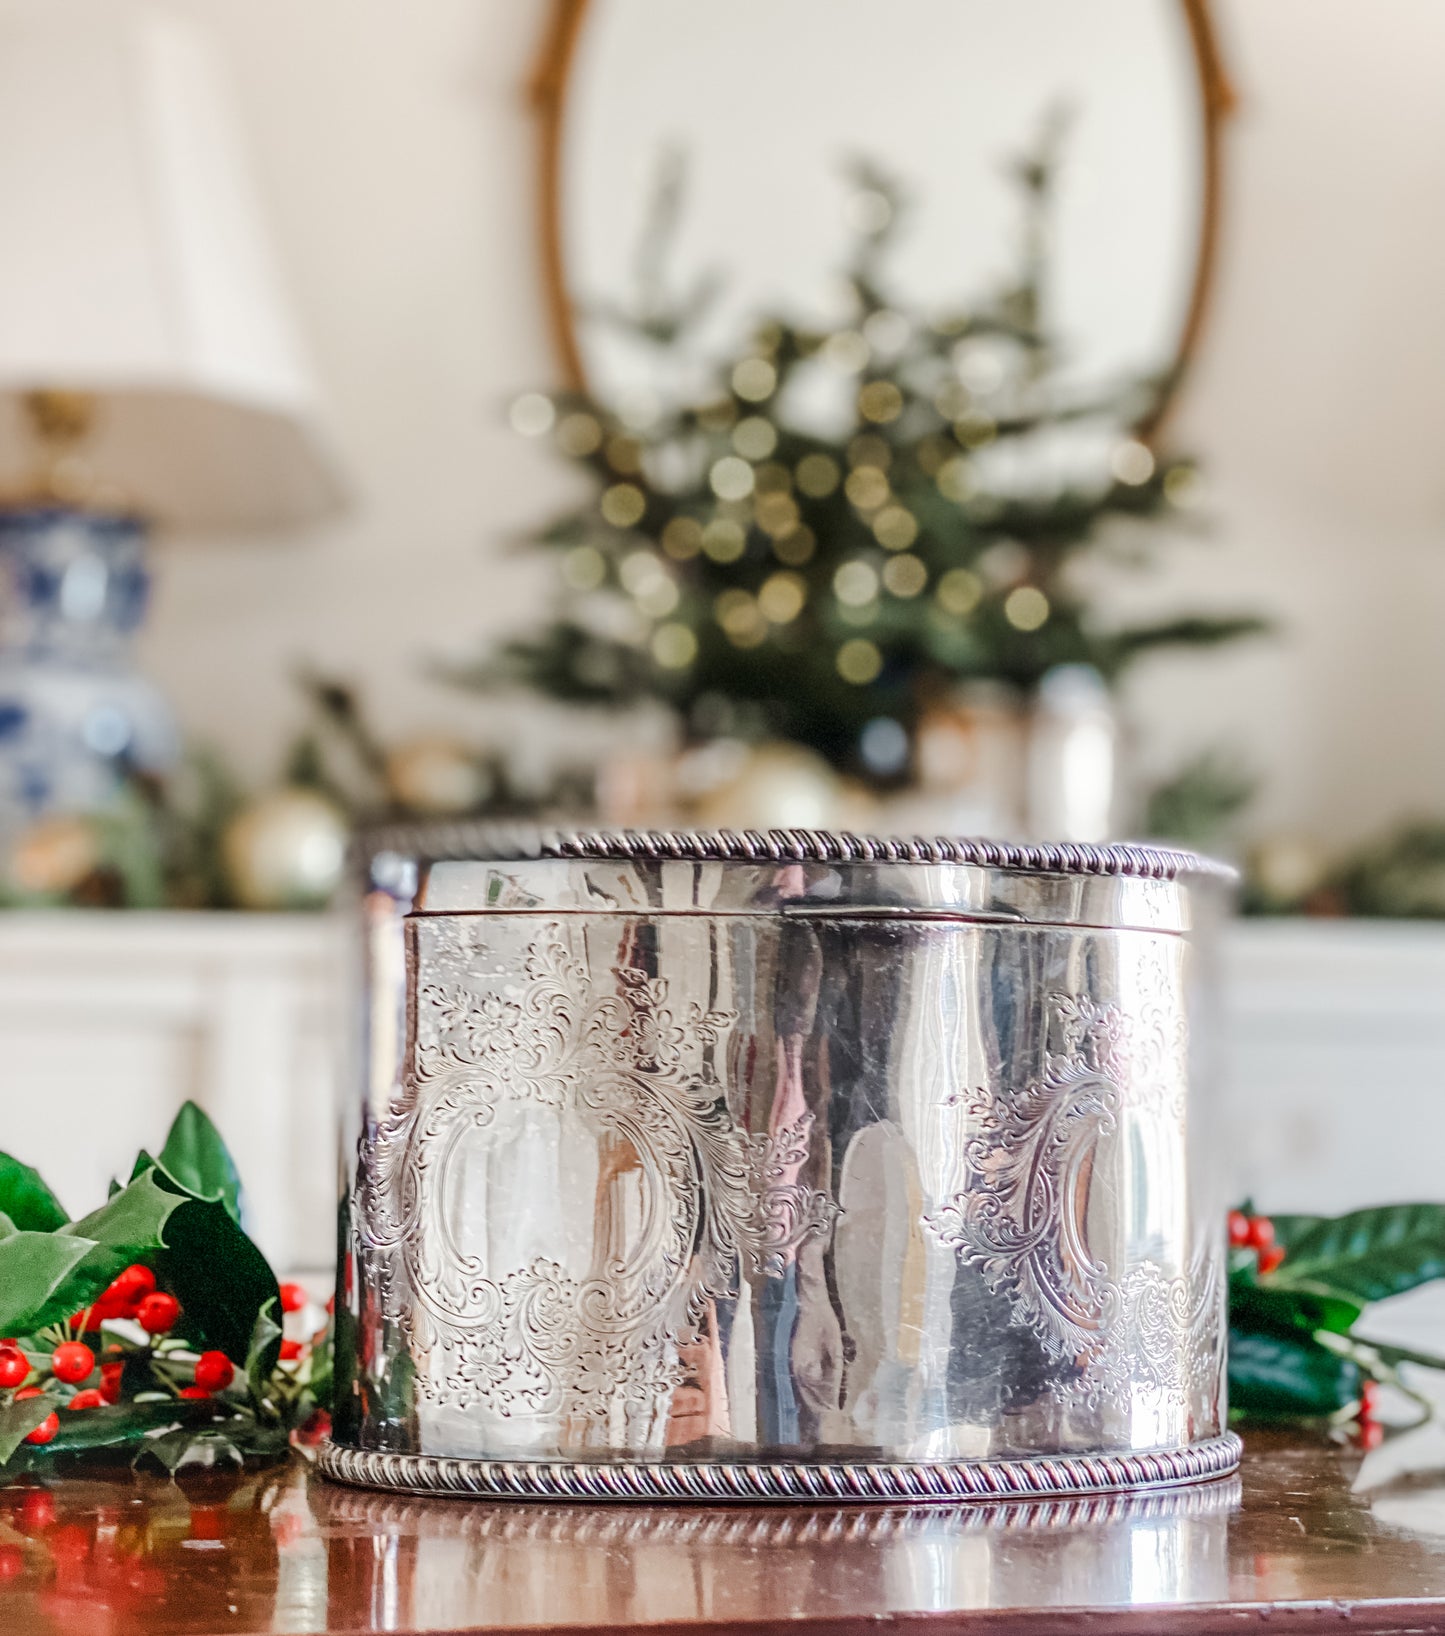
<point x="129" y="1226"/>
<point x="180" y="1215"/>
<point x="221" y="1279"/>
<point x="1195" y="806"/>
<point x="26" y="1200"/>
<point x="1293" y="1350"/>
<point x="1367" y="1255"/>
<point x="951" y="469"/>
<point x="18" y="1419"/>
<point x="1287" y="1375"/>
<point x="195" y="1157"/>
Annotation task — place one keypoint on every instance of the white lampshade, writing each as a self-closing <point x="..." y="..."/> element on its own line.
<point x="134" y="267"/>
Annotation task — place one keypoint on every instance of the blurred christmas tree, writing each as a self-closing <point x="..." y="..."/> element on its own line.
<point x="856" y="518"/>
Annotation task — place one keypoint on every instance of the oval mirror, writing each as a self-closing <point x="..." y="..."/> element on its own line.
<point x="755" y="108"/>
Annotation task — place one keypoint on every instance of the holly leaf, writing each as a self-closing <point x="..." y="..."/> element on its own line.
<point x="26" y="1199"/>
<point x="1367" y="1255"/>
<point x="195" y="1156"/>
<point x="263" y="1351"/>
<point x="33" y="1267"/>
<point x="221" y="1279"/>
<point x="1277" y="1375"/>
<point x="129" y="1226"/>
<point x="189" y="1447"/>
<point x="18" y="1420"/>
<point x="113" y="1427"/>
<point x="1265" y="1306"/>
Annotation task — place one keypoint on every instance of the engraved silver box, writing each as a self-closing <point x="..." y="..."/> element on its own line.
<point x="786" y="1166"/>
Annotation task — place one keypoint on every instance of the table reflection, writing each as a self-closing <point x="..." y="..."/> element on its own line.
<point x="283" y="1550"/>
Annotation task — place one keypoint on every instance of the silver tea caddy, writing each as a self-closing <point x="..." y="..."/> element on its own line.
<point x="790" y="1166"/>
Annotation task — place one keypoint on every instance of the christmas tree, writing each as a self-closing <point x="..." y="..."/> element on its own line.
<point x="856" y="518"/>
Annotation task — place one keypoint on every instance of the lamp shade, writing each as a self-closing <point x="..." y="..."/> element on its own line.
<point x="135" y="269"/>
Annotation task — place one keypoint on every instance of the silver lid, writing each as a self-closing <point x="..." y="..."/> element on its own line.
<point x="487" y="868"/>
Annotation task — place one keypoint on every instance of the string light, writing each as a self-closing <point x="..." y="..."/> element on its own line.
<point x="532" y="414"/>
<point x="579" y="435"/>
<point x="781" y="597"/>
<point x="880" y="402"/>
<point x="959" y="591"/>
<point x="723" y="540"/>
<point x="674" y="646"/>
<point x="867" y="488"/>
<point x="682" y="538"/>
<point x="855" y="583"/>
<point x="1132" y="463"/>
<point x="755" y="438"/>
<point x="731" y="478"/>
<point x="754" y="380"/>
<point x="796" y="548"/>
<point x="859" y="661"/>
<point x="740" y="617"/>
<point x="955" y="479"/>
<point x="623" y="504"/>
<point x="1026" y="608"/>
<point x="895" y="528"/>
<point x="817" y="476"/>
<point x="584" y="568"/>
<point x="905" y="575"/>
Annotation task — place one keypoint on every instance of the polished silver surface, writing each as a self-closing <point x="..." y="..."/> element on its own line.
<point x="773" y="1166"/>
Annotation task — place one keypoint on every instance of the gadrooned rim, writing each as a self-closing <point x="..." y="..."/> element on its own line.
<point x="485" y="840"/>
<point x="1043" y="1477"/>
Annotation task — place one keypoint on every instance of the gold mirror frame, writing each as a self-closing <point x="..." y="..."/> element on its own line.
<point x="548" y="90"/>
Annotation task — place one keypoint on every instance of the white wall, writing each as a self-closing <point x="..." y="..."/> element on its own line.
<point x="396" y="148"/>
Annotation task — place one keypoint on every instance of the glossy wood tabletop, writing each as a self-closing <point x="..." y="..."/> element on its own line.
<point x="1308" y="1539"/>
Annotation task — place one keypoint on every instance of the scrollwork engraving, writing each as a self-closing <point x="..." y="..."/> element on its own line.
<point x="620" y="1061"/>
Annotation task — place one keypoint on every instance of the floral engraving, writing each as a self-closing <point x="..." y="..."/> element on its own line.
<point x="1021" y="1217"/>
<point x="620" y="1060"/>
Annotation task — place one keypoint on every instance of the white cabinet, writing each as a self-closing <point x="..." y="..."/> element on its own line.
<point x="108" y="1021"/>
<point x="1334" y="1048"/>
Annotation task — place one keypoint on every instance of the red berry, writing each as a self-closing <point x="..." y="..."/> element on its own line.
<point x="1271" y="1258"/>
<point x="293" y="1297"/>
<point x="1238" y="1229"/>
<point x="13" y="1367"/>
<point x="1369" y="1397"/>
<point x="157" y="1313"/>
<point x="317" y="1427"/>
<point x="1261" y="1232"/>
<point x="91" y="1398"/>
<point x="46" y="1430"/>
<point x="208" y="1521"/>
<point x="136" y="1279"/>
<point x="290" y="1351"/>
<point x="1372" y="1434"/>
<point x="72" y="1362"/>
<point x="194" y="1392"/>
<point x="214" y="1371"/>
<point x="110" y="1385"/>
<point x="12" y="1562"/>
<point x="37" y="1511"/>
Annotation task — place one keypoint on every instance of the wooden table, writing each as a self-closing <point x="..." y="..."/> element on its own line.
<point x="1305" y="1542"/>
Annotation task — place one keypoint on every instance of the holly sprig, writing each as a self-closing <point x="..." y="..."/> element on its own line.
<point x="1298" y="1285"/>
<point x="153" y="1325"/>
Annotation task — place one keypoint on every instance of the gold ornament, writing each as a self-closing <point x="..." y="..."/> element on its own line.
<point x="1286" y="869"/>
<point x="54" y="855"/>
<point x="436" y="776"/>
<point x="777" y="786"/>
<point x="285" y="851"/>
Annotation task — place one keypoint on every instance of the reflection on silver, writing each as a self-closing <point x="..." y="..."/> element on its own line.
<point x="786" y="1166"/>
